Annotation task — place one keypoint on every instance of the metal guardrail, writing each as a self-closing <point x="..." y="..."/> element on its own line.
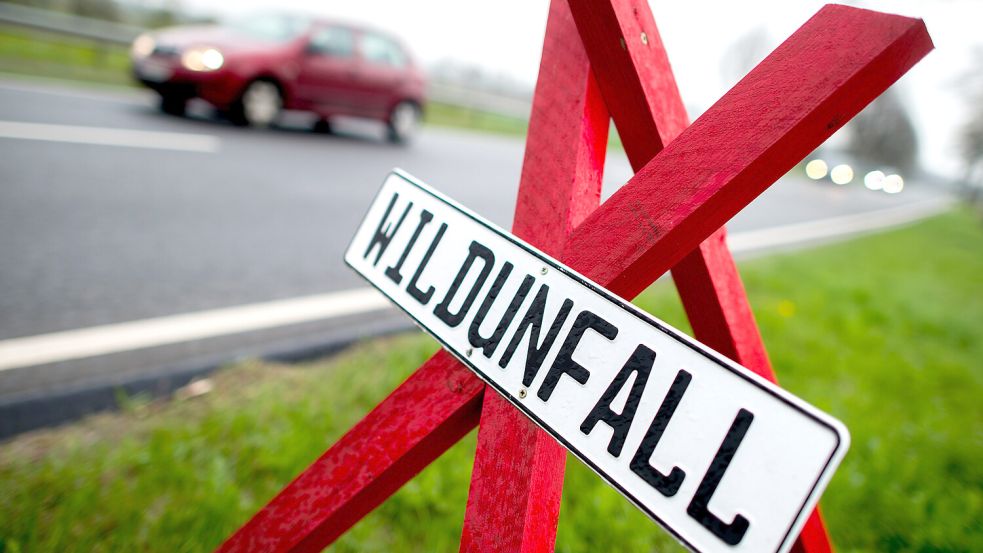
<point x="116" y="33"/>
<point x="480" y="100"/>
<point x="67" y="24"/>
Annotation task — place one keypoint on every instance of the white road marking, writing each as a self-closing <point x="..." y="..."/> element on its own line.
<point x="114" y="338"/>
<point x="103" y="136"/>
<point x="824" y="229"/>
<point x="73" y="89"/>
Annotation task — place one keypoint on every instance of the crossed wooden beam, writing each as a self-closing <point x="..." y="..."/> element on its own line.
<point x="602" y="60"/>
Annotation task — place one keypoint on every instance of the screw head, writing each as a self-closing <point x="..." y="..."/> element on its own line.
<point x="522" y="393"/>
<point x="622" y="41"/>
<point x="543" y="271"/>
<point x="645" y="38"/>
<point x="469" y="352"/>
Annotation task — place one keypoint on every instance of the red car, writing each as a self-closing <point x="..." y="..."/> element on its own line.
<point x="254" y="68"/>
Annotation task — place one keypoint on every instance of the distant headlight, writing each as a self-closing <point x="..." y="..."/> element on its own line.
<point x="841" y="174"/>
<point x="874" y="180"/>
<point x="816" y="169"/>
<point x="202" y="59"/>
<point x="893" y="184"/>
<point x="143" y="46"/>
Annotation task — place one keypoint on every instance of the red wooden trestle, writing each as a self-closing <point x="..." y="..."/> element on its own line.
<point x="602" y="60"/>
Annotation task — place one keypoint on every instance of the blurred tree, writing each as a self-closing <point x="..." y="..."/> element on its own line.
<point x="161" y="18"/>
<point x="107" y="10"/>
<point x="971" y="136"/>
<point x="972" y="149"/>
<point x="167" y="14"/>
<point x="883" y="133"/>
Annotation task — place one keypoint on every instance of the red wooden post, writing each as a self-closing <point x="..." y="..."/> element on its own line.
<point x="812" y="84"/>
<point x="819" y="78"/>
<point x="649" y="112"/>
<point x="514" y="501"/>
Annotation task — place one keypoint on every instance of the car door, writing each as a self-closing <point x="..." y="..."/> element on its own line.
<point x="381" y="72"/>
<point x="327" y="71"/>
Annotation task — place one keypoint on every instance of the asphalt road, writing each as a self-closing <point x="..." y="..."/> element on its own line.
<point x="206" y="215"/>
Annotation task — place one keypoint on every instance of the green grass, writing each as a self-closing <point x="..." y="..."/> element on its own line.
<point x="30" y="52"/>
<point x="883" y="332"/>
<point x="447" y="115"/>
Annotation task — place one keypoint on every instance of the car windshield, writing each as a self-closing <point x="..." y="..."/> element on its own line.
<point x="272" y="27"/>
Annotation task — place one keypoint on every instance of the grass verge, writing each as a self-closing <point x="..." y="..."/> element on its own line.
<point x="883" y="332"/>
<point x="447" y="115"/>
<point x="30" y="52"/>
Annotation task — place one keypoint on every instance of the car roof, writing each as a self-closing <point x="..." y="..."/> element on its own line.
<point x="316" y="20"/>
<point x="321" y="21"/>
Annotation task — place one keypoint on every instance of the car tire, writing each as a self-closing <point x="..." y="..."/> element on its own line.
<point x="259" y="105"/>
<point x="323" y="126"/>
<point x="173" y="104"/>
<point x="403" y="122"/>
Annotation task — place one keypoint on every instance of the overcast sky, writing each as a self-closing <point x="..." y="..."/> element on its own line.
<point x="505" y="36"/>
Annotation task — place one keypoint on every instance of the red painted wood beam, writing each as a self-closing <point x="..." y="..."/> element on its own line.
<point x="634" y="74"/>
<point x="517" y="482"/>
<point x="648" y="109"/>
<point x="805" y="90"/>
<point x="717" y="307"/>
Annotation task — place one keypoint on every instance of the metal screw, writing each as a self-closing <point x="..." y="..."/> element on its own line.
<point x="543" y="271"/>
<point x="469" y="352"/>
<point x="645" y="38"/>
<point x="522" y="393"/>
<point x="623" y="46"/>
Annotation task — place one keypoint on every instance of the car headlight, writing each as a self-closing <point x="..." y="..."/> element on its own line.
<point x="143" y="46"/>
<point x="202" y="59"/>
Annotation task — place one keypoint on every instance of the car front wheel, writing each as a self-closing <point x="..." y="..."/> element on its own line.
<point x="173" y="103"/>
<point x="404" y="121"/>
<point x="259" y="105"/>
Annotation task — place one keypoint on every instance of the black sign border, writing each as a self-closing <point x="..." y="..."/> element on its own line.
<point x="717" y="358"/>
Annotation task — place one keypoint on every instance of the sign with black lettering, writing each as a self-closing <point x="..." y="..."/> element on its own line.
<point x="723" y="459"/>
